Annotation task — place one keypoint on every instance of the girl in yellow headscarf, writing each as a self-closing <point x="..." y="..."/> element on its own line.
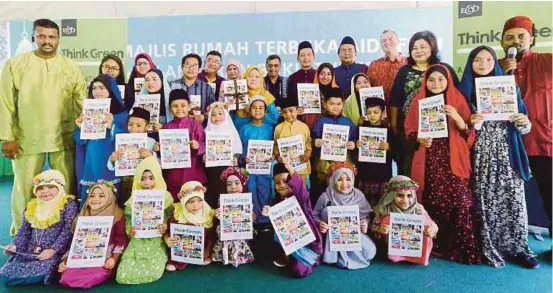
<point x="144" y="259"/>
<point x="256" y="87"/>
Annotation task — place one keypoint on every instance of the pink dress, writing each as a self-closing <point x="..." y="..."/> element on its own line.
<point x="86" y="278"/>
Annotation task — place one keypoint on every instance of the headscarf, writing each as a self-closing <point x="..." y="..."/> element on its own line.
<point x="459" y="146"/>
<point x="323" y="89"/>
<point x="237" y="64"/>
<point x="121" y="76"/>
<point x="260" y="91"/>
<point x="110" y="209"/>
<point x="241" y="173"/>
<point x="43" y="214"/>
<point x="163" y="92"/>
<point x="204" y="217"/>
<point x="355" y="197"/>
<point x="116" y="104"/>
<point x="129" y="88"/>
<point x="386" y="203"/>
<point x="352" y="106"/>
<point x="148" y="164"/>
<point x="517" y="151"/>
<point x="226" y="126"/>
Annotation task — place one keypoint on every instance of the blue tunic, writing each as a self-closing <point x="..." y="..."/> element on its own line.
<point x="271" y="118"/>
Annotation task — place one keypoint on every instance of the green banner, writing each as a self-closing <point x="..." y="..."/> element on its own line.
<point x="478" y="23"/>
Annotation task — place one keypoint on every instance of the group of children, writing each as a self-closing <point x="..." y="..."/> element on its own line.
<point x="440" y="168"/>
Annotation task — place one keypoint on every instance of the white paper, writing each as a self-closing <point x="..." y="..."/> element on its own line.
<point x="129" y="143"/>
<point x="139" y="83"/>
<point x="190" y="245"/>
<point x="196" y="104"/>
<point x="496" y="97"/>
<point x="175" y="148"/>
<point x="432" y="117"/>
<point x="370" y="150"/>
<point x="294" y="147"/>
<point x="94" y="118"/>
<point x="370" y="92"/>
<point x="259" y="156"/>
<point x="344" y="230"/>
<point x="152" y="103"/>
<point x="236" y="216"/>
<point x="335" y="140"/>
<point x="230" y="92"/>
<point x="218" y="149"/>
<point x="309" y="98"/>
<point x="147" y="212"/>
<point x="405" y="234"/>
<point x="291" y="226"/>
<point x="90" y="242"/>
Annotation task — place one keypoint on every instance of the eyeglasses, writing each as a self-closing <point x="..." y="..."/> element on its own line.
<point x="147" y="79"/>
<point x="186" y="65"/>
<point x="110" y="68"/>
<point x="43" y="37"/>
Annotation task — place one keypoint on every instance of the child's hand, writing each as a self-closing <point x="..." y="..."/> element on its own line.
<point x="300" y="110"/>
<point x="10" y="249"/>
<point x="287" y="161"/>
<point x="199" y="118"/>
<point x="265" y="211"/>
<point x="430" y="231"/>
<point x="204" y="158"/>
<point x="171" y="241"/>
<point x="79" y="121"/>
<point x="194" y="144"/>
<point x="109" y="120"/>
<point x="218" y="214"/>
<point x="133" y="232"/>
<point x="475" y="118"/>
<point x="305" y="158"/>
<point x="246" y="160"/>
<point x="425" y="142"/>
<point x="144" y="153"/>
<point x="235" y="161"/>
<point x="384" y="229"/>
<point x="46" y="254"/>
<point x="359" y="144"/>
<point x="318" y="142"/>
<point x="384" y="146"/>
<point x="452" y="112"/>
<point x="115" y="156"/>
<point x="254" y="216"/>
<point x="323" y="227"/>
<point x="62" y="267"/>
<point x="156" y="126"/>
<point x="162" y="228"/>
<point x="519" y="119"/>
<point x="350" y="145"/>
<point x="110" y="263"/>
<point x="157" y="147"/>
<point x="364" y="225"/>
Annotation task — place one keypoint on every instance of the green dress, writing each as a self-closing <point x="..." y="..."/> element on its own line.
<point x="144" y="259"/>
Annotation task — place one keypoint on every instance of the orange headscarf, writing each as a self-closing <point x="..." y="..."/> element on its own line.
<point x="260" y="91"/>
<point x="459" y="147"/>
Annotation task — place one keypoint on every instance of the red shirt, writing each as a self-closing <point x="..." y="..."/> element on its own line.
<point x="533" y="75"/>
<point x="383" y="71"/>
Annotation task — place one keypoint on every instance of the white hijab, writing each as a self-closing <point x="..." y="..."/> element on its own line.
<point x="226" y="126"/>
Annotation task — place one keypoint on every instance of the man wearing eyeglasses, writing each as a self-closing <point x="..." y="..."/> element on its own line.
<point x="41" y="95"/>
<point x="213" y="63"/>
<point x="345" y="72"/>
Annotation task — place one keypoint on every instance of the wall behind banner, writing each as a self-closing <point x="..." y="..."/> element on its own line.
<point x="250" y="38"/>
<point x="477" y="23"/>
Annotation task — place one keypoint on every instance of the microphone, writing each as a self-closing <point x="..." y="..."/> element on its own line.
<point x="511" y="54"/>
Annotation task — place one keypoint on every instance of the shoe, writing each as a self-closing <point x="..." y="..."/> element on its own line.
<point x="170" y="268"/>
<point x="527" y="261"/>
<point x="281" y="261"/>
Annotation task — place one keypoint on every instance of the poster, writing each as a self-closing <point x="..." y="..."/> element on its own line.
<point x="94" y="118"/>
<point x="90" y="242"/>
<point x="218" y="149"/>
<point x="175" y="148"/>
<point x="291" y="226"/>
<point x="232" y="92"/>
<point x="190" y="245"/>
<point x="496" y="97"/>
<point x="236" y="216"/>
<point x="147" y="212"/>
<point x="405" y="234"/>
<point x="152" y="104"/>
<point x="335" y="140"/>
<point x="370" y="151"/>
<point x="129" y="144"/>
<point x="371" y="92"/>
<point x="293" y="147"/>
<point x="309" y="98"/>
<point x="196" y="104"/>
<point x="139" y="83"/>
<point x="344" y="228"/>
<point x="260" y="153"/>
<point x="432" y="117"/>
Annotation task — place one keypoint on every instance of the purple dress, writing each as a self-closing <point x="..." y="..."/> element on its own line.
<point x="23" y="269"/>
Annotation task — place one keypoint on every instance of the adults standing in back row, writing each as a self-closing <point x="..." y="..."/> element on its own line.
<point x="41" y="95"/>
<point x="345" y="72"/>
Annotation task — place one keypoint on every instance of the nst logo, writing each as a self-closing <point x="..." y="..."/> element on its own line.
<point x="69" y="27"/>
<point x="470" y="8"/>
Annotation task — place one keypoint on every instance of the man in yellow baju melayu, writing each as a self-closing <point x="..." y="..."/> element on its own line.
<point x="41" y="95"/>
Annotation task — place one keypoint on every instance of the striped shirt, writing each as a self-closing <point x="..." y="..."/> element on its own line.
<point x="198" y="88"/>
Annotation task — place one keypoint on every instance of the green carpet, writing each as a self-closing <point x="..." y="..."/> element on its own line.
<point x="380" y="276"/>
